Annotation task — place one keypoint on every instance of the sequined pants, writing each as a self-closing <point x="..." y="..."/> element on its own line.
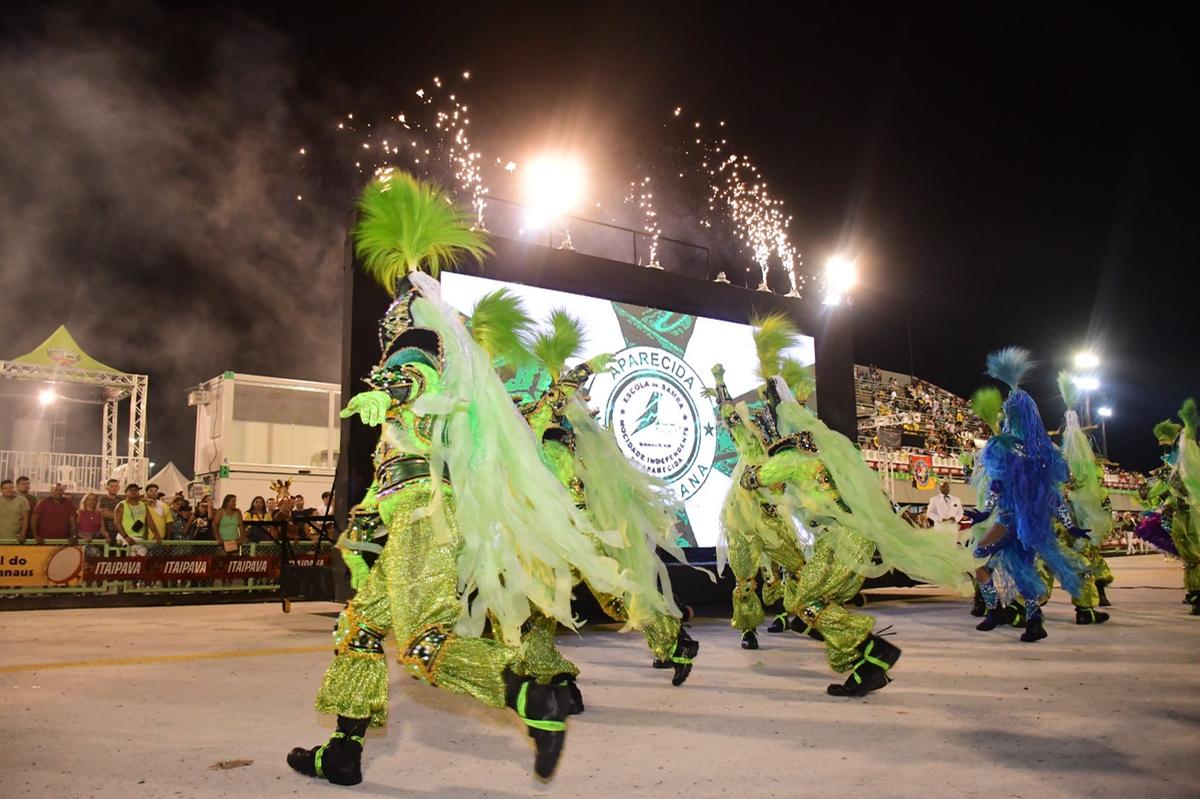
<point x="817" y="592"/>
<point x="820" y="592"/>
<point x="539" y="655"/>
<point x="412" y="593"/>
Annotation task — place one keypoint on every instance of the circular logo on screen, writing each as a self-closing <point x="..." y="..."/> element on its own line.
<point x="661" y="420"/>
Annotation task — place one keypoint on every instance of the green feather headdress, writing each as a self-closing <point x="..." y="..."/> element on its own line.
<point x="1166" y="431"/>
<point x="800" y="379"/>
<point x="987" y="403"/>
<point x="1190" y="417"/>
<point x="563" y="341"/>
<point x="499" y="324"/>
<point x="773" y="334"/>
<point x="1066" y="387"/>
<point x="405" y="224"/>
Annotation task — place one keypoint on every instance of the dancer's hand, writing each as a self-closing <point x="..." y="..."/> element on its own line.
<point x="975" y="515"/>
<point x="371" y="407"/>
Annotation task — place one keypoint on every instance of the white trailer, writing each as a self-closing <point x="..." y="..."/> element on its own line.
<point x="252" y="430"/>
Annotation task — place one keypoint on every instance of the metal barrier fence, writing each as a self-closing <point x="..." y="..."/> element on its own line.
<point x="99" y="568"/>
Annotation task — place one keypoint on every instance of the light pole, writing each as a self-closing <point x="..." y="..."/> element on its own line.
<point x="1085" y="379"/>
<point x="1104" y="412"/>
<point x="1087" y="384"/>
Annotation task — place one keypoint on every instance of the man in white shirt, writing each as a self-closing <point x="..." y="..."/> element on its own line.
<point x="945" y="510"/>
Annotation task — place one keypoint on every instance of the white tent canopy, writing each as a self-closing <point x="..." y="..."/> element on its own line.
<point x="169" y="480"/>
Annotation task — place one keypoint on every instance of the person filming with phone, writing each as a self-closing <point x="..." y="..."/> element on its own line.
<point x="133" y="520"/>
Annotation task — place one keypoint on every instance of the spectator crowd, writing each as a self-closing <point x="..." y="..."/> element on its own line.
<point x="132" y="519"/>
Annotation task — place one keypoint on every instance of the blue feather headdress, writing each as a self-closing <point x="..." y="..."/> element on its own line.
<point x="1010" y="365"/>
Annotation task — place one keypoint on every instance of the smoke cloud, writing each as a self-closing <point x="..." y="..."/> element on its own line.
<point x="149" y="176"/>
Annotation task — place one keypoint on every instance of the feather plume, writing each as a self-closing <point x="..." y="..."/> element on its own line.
<point x="986" y="403"/>
<point x="499" y="324"/>
<point x="800" y="379"/>
<point x="405" y="224"/>
<point x="1190" y="417"/>
<point x="773" y="334"/>
<point x="1166" y="431"/>
<point x="1066" y="387"/>
<point x="562" y="342"/>
<point x="1010" y="365"/>
<point x="1151" y="530"/>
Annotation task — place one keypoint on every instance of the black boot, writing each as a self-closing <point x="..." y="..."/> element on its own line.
<point x="749" y="640"/>
<point x="1018" y="612"/>
<point x="870" y="673"/>
<point x="779" y="624"/>
<point x="1104" y="603"/>
<point x="686" y="649"/>
<point x="543" y="708"/>
<point x="1196" y="605"/>
<point x="1034" y="630"/>
<point x="662" y="664"/>
<point x="1090" y="616"/>
<point x="995" y="617"/>
<point x="979" y="607"/>
<point x="576" y="706"/>
<point x="798" y="625"/>
<point x="339" y="760"/>
<point x="1190" y="597"/>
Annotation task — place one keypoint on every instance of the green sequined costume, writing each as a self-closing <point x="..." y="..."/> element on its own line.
<point x="757" y="528"/>
<point x="411" y="590"/>
<point x="547" y="417"/>
<point x="1174" y="490"/>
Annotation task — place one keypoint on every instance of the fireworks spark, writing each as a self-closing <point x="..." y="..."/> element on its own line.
<point x="640" y="195"/>
<point x="738" y="191"/>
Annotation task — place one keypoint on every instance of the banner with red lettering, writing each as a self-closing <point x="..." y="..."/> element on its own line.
<point x="195" y="567"/>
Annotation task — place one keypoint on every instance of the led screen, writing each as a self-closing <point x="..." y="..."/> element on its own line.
<point x="652" y="396"/>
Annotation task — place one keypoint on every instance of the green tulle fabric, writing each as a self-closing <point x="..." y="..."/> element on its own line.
<point x="1088" y="494"/>
<point x="524" y="541"/>
<point x="742" y="513"/>
<point x="1189" y="475"/>
<point x="867" y="511"/>
<point x="640" y="507"/>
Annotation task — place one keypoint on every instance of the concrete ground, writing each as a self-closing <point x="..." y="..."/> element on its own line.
<point x="141" y="702"/>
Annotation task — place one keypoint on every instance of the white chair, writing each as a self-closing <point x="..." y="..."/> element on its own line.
<point x="66" y="476"/>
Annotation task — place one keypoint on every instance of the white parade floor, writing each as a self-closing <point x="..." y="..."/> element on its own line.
<point x="141" y="702"/>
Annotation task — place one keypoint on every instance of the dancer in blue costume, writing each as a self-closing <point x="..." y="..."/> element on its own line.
<point x="1024" y="474"/>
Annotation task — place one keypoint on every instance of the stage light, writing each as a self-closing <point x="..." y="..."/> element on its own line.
<point x="1087" y="360"/>
<point x="1086" y="382"/>
<point x="1104" y="411"/>
<point x="841" y="274"/>
<point x="47" y="396"/>
<point x="553" y="185"/>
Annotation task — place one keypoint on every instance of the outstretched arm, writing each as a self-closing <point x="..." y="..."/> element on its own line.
<point x="370" y="406"/>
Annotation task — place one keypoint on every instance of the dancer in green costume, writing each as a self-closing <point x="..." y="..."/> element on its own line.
<point x="809" y="472"/>
<point x="1174" y="526"/>
<point x="1088" y="501"/>
<point x="467" y="510"/>
<point x="755" y="536"/>
<point x="617" y="496"/>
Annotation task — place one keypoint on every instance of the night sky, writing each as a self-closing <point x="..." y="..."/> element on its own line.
<point x="1004" y="176"/>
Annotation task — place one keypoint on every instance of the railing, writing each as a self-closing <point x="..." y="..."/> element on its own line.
<point x="78" y="473"/>
<point x="175" y="567"/>
<point x="897" y="460"/>
<point x="512" y="220"/>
